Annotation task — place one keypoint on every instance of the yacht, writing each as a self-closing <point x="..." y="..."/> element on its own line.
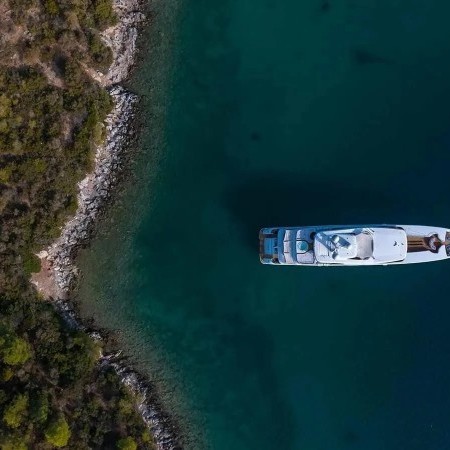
<point x="353" y="245"/>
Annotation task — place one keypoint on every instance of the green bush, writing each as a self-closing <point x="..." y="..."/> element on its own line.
<point x="101" y="54"/>
<point x="31" y="263"/>
<point x="16" y="411"/>
<point x="5" y="174"/>
<point x="14" y="442"/>
<point x="7" y="374"/>
<point x="39" y="408"/>
<point x="58" y="432"/>
<point x="127" y="443"/>
<point x="104" y="15"/>
<point x="13" y="349"/>
<point x="51" y="7"/>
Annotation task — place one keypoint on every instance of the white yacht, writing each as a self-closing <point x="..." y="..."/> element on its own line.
<point x="353" y="245"/>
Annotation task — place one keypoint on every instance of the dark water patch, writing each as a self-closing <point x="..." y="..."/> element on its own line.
<point x="255" y="136"/>
<point x="290" y="199"/>
<point x="363" y="57"/>
<point x="325" y="6"/>
<point x="350" y="438"/>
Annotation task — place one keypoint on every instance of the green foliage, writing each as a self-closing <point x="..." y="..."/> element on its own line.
<point x="125" y="406"/>
<point x="58" y="432"/>
<point x="5" y="106"/>
<point x="16" y="411"/>
<point x="5" y="172"/>
<point x="50" y="122"/>
<point x="31" y="263"/>
<point x="14" y="442"/>
<point x="13" y="349"/>
<point x="39" y="408"/>
<point x="147" y="439"/>
<point x="101" y="54"/>
<point x="7" y="374"/>
<point x="44" y="165"/>
<point x="78" y="360"/>
<point x="127" y="443"/>
<point x="51" y="7"/>
<point x="104" y="15"/>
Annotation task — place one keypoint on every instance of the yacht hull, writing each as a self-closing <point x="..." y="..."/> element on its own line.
<point x="299" y="246"/>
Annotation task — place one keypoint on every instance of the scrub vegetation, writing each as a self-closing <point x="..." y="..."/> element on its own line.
<point x="52" y="392"/>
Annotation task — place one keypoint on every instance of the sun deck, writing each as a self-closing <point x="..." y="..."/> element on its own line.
<point x="297" y="246"/>
<point x="354" y="245"/>
<point x="362" y="245"/>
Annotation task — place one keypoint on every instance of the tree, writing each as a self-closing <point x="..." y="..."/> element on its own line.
<point x="104" y="14"/>
<point x="14" y="349"/>
<point x="39" y="408"/>
<point x="58" y="432"/>
<point x="127" y="443"/>
<point x="7" y="374"/>
<point x="14" y="442"/>
<point x="16" y="411"/>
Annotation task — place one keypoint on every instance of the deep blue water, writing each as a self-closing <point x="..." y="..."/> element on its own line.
<point x="259" y="113"/>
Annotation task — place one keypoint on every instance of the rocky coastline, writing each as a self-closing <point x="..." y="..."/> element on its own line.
<point x="59" y="272"/>
<point x="94" y="189"/>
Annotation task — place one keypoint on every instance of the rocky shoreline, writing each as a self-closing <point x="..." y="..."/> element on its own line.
<point x="58" y="259"/>
<point x="59" y="271"/>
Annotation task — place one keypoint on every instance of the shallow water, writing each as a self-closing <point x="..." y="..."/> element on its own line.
<point x="284" y="113"/>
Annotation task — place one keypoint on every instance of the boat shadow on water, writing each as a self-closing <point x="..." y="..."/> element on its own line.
<point x="271" y="199"/>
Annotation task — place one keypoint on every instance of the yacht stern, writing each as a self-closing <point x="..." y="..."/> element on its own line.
<point x="268" y="246"/>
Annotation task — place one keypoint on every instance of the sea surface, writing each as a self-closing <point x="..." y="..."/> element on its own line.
<point x="290" y="112"/>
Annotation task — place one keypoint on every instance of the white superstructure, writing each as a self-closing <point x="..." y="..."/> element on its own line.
<point x="356" y="245"/>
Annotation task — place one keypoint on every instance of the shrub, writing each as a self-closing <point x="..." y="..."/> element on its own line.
<point x="31" y="263"/>
<point x="7" y="374"/>
<point x="101" y="54"/>
<point x="127" y="443"/>
<point x="13" y="349"/>
<point x="58" y="432"/>
<point x="51" y="7"/>
<point x="104" y="15"/>
<point x="39" y="408"/>
<point x="5" y="173"/>
<point x="14" y="442"/>
<point x="16" y="411"/>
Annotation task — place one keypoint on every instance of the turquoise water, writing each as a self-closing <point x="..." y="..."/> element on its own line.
<point x="284" y="113"/>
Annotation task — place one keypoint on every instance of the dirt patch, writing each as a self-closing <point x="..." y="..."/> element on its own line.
<point x="44" y="280"/>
